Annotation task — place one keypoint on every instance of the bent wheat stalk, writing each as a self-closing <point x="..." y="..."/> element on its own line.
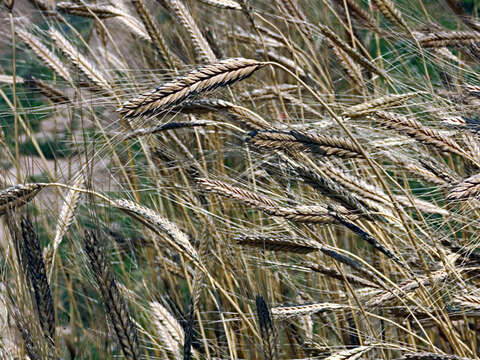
<point x="201" y="80"/>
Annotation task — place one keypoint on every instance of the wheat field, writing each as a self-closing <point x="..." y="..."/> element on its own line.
<point x="240" y="179"/>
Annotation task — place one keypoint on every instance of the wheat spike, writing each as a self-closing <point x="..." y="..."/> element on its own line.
<point x="38" y="280"/>
<point x="113" y="300"/>
<point x="201" y="46"/>
<point x="169" y="329"/>
<point x="419" y="132"/>
<point x="276" y="243"/>
<point x="335" y="274"/>
<point x="441" y="39"/>
<point x="388" y="9"/>
<point x="53" y="94"/>
<point x="285" y="312"/>
<point x="65" y="218"/>
<point x="223" y="4"/>
<point x="354" y="54"/>
<point x="351" y="354"/>
<point x="305" y="141"/>
<point x="203" y="79"/>
<point x="76" y="57"/>
<point x="18" y="195"/>
<point x="88" y="10"/>
<point x="377" y="104"/>
<point x="157" y="39"/>
<point x="468" y="188"/>
<point x="160" y="225"/>
<point x="50" y="59"/>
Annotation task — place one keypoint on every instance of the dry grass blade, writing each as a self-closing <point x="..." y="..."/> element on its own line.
<point x="223" y="4"/>
<point x="278" y="243"/>
<point x="377" y="104"/>
<point x="419" y="132"/>
<point x="113" y="300"/>
<point x="49" y="59"/>
<point x="303" y="141"/>
<point x="351" y="354"/>
<point x="18" y="195"/>
<point x="80" y="61"/>
<point x="200" y="44"/>
<point x="198" y="81"/>
<point x="285" y="312"/>
<point x="468" y="188"/>
<point x="159" y="224"/>
<point x="38" y="280"/>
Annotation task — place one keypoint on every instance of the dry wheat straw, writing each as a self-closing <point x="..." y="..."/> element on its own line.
<point x="285" y="312"/>
<point x="18" y="195"/>
<point x="377" y="104"/>
<point x="203" y="79"/>
<point x="115" y="305"/>
<point x="200" y="44"/>
<point x="468" y="188"/>
<point x="49" y="58"/>
<point x="80" y="61"/>
<point x="305" y="141"/>
<point x="8" y="79"/>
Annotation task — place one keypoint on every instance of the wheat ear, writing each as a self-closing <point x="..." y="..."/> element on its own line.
<point x="80" y="61"/>
<point x="159" y="224"/>
<point x="88" y="10"/>
<point x="200" y="44"/>
<point x="201" y="80"/>
<point x="304" y="141"/>
<point x="38" y="280"/>
<point x="168" y="328"/>
<point x="113" y="300"/>
<point x="223" y="4"/>
<point x="277" y="243"/>
<point x="377" y="104"/>
<point x="351" y="354"/>
<point x="267" y="329"/>
<point x="419" y="132"/>
<point x="49" y="58"/>
<point x="468" y="188"/>
<point x="18" y="195"/>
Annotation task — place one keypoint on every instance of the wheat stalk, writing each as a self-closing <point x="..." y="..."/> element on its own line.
<point x="198" y="81"/>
